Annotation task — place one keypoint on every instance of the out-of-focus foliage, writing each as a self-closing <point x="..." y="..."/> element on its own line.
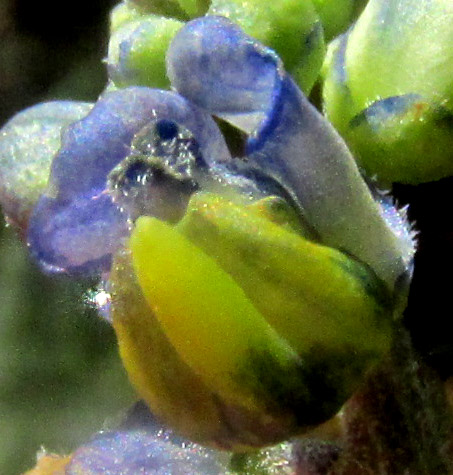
<point x="58" y="360"/>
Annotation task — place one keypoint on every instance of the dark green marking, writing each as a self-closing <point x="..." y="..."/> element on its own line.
<point x="311" y="388"/>
<point x="372" y="285"/>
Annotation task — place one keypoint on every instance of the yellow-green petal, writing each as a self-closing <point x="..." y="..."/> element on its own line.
<point x="310" y="294"/>
<point x="203" y="312"/>
<point x="175" y="394"/>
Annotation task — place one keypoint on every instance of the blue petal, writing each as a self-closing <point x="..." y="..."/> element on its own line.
<point x="380" y="112"/>
<point x="78" y="236"/>
<point x="215" y="65"/>
<point x="76" y="226"/>
<point x="92" y="147"/>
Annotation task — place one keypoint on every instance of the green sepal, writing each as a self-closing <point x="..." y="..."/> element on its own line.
<point x="175" y="394"/>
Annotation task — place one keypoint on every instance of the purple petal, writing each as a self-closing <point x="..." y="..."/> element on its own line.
<point x="78" y="236"/>
<point x="213" y="63"/>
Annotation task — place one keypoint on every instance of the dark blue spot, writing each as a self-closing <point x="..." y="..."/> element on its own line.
<point x="167" y="129"/>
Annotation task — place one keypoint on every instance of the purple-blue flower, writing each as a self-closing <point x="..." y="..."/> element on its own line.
<point x="84" y="215"/>
<point x="76" y="224"/>
<point x="250" y="309"/>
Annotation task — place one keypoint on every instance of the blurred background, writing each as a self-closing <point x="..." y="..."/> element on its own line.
<point x="60" y="376"/>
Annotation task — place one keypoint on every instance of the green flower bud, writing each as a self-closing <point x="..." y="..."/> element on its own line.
<point x="137" y="49"/>
<point x="28" y="143"/>
<point x="388" y="89"/>
<point x="124" y="13"/>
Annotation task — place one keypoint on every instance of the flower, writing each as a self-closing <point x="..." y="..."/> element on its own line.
<point x="249" y="295"/>
<point x="76" y="226"/>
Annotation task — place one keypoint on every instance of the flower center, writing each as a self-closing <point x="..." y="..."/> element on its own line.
<point x="160" y="173"/>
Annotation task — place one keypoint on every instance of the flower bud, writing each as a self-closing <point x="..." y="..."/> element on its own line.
<point x="137" y="50"/>
<point x="249" y="294"/>
<point x="388" y="89"/>
<point x="28" y="143"/>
